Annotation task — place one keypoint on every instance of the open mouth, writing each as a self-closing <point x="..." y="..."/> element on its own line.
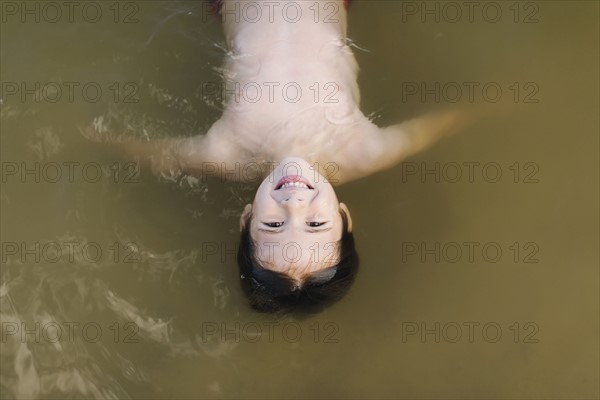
<point x="293" y="181"/>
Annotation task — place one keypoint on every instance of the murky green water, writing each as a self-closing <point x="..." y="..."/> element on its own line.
<point x="479" y="257"/>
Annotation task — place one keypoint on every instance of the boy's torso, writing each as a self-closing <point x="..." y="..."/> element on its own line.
<point x="289" y="77"/>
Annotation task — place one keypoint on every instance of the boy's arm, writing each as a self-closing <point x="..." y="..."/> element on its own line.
<point x="212" y="153"/>
<point x="369" y="149"/>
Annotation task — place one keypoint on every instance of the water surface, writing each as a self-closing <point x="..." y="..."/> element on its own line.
<point x="138" y="274"/>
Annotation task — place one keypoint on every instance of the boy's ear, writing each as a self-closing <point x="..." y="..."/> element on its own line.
<point x="348" y="217"/>
<point x="245" y="216"/>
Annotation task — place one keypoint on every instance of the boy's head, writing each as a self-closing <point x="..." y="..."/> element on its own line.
<point x="297" y="248"/>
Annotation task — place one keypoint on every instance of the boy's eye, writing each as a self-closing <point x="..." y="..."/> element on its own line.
<point x="273" y="224"/>
<point x="315" y="224"/>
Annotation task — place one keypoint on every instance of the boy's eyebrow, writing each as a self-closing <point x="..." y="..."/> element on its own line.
<point x="318" y="230"/>
<point x="270" y="231"/>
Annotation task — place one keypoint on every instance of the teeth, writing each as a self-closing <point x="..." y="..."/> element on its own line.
<point x="294" y="184"/>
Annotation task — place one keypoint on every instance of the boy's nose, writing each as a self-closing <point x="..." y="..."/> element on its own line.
<point x="295" y="200"/>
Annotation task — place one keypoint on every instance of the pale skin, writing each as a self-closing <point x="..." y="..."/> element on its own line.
<point x="322" y="131"/>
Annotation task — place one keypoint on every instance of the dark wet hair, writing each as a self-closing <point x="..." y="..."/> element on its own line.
<point x="276" y="292"/>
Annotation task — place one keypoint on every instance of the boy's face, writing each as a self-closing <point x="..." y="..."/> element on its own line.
<point x="296" y="221"/>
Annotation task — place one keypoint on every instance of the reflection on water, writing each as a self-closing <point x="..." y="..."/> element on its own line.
<point x="117" y="284"/>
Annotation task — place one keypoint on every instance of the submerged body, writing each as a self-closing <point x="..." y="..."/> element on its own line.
<point x="291" y="91"/>
<point x="292" y="106"/>
<point x="298" y="94"/>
